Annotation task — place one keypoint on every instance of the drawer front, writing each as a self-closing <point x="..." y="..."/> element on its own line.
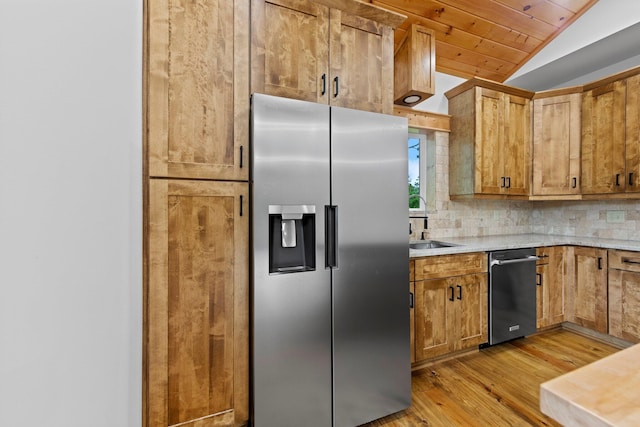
<point x="624" y="260"/>
<point x="440" y="266"/>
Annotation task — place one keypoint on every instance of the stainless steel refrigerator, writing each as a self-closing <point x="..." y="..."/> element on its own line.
<point x="330" y="297"/>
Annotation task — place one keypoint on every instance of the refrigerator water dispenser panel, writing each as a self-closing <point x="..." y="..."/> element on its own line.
<point x="292" y="231"/>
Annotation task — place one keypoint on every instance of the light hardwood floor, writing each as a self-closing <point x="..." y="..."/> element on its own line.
<point x="497" y="386"/>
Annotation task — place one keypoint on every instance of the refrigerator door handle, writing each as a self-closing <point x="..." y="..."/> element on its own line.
<point x="331" y="236"/>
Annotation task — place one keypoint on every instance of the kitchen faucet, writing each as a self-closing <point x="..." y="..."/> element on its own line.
<point x="425" y="217"/>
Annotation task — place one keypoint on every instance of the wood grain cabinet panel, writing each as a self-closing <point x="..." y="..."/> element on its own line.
<point x="290" y="49"/>
<point x="624" y="295"/>
<point x="434" y="317"/>
<point x="587" y="287"/>
<point x="603" y="139"/>
<point x="556" y="144"/>
<point x="314" y="52"/>
<point x="490" y="142"/>
<point x="550" y="287"/>
<point x="632" y="145"/>
<point x="198" y="89"/>
<point x="450" y="310"/>
<point x="196" y="304"/>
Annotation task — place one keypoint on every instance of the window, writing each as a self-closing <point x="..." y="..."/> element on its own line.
<point x="421" y="169"/>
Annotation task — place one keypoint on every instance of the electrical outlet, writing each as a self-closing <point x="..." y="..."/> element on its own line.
<point x="615" y="217"/>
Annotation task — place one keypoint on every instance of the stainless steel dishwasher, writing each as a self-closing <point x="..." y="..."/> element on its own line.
<point x="512" y="294"/>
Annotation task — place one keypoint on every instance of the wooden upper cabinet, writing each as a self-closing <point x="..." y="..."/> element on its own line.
<point x="490" y="141"/>
<point x="603" y="139"/>
<point x="361" y="63"/>
<point x="556" y="143"/>
<point x="632" y="146"/>
<point x="197" y="310"/>
<point x="290" y="49"/>
<point x="315" y="51"/>
<point x="415" y="66"/>
<point x="198" y="89"/>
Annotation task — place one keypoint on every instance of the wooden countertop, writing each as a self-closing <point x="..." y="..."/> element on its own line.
<point x="603" y="393"/>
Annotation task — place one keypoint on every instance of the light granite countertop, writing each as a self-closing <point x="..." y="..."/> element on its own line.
<point x="517" y="241"/>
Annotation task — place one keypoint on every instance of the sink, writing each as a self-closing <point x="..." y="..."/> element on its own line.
<point x="430" y="244"/>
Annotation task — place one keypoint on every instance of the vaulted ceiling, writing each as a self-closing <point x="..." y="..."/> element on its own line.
<point x="486" y="38"/>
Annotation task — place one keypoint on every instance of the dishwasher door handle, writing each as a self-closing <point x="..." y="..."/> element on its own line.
<point x="513" y="261"/>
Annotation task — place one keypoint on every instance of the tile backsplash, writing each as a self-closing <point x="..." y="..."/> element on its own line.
<point x="606" y="219"/>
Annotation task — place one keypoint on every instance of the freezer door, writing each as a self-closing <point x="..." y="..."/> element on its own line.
<point x="291" y="324"/>
<point x="372" y="370"/>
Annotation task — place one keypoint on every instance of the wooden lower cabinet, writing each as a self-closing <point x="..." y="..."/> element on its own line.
<point x="196" y="304"/>
<point x="624" y="295"/>
<point x="550" y="286"/>
<point x="450" y="313"/>
<point x="587" y="287"/>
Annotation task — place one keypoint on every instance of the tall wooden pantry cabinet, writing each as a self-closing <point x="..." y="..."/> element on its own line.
<point x="196" y="311"/>
<point x="196" y="171"/>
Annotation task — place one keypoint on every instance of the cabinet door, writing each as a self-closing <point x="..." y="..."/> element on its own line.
<point x="290" y="49"/>
<point x="624" y="295"/>
<point x="490" y="115"/>
<point x="516" y="147"/>
<point x="197" y="306"/>
<point x="471" y="299"/>
<point x="624" y="305"/>
<point x="556" y="145"/>
<point x="550" y="289"/>
<point x="198" y="89"/>
<point x="361" y="63"/>
<point x="603" y="139"/>
<point x="433" y="318"/>
<point x="587" y="296"/>
<point x="632" y="147"/>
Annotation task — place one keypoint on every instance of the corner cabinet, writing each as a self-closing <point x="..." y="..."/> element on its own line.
<point x="197" y="308"/>
<point x="556" y="142"/>
<point x="325" y="51"/>
<point x="490" y="141"/>
<point x="450" y="311"/>
<point x="197" y="109"/>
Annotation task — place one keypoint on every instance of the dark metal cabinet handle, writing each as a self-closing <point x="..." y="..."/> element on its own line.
<point x="617" y="180"/>
<point x="599" y="263"/>
<point x="241" y="205"/>
<point x="575" y="182"/>
<point x="410" y="299"/>
<point x="630" y="178"/>
<point x="336" y="87"/>
<point x="538" y="279"/>
<point x="504" y="181"/>
<point x="508" y="182"/>
<point x="630" y="261"/>
<point x="324" y="84"/>
<point x="241" y="156"/>
<point x="459" y="291"/>
<point x="452" y="293"/>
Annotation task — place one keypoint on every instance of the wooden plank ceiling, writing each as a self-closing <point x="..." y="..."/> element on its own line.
<point x="487" y="38"/>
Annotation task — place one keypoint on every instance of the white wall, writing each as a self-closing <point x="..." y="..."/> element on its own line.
<point x="70" y="213"/>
